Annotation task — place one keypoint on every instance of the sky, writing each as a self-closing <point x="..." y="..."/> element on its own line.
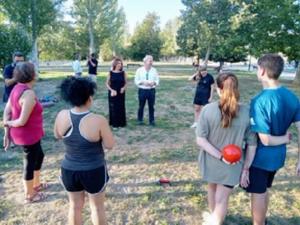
<point x="136" y="10"/>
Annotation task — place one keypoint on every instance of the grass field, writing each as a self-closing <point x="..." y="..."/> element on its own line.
<point x="141" y="156"/>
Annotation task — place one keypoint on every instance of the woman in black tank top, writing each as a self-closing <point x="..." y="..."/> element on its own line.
<point x="84" y="135"/>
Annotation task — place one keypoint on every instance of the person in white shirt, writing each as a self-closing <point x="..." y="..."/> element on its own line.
<point x="76" y="65"/>
<point x="146" y="78"/>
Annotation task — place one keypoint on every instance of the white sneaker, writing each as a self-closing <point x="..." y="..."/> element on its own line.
<point x="194" y="125"/>
<point x="207" y="219"/>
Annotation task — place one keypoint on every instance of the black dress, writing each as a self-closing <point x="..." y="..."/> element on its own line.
<point x="117" y="112"/>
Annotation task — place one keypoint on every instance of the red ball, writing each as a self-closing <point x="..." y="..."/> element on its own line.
<point x="232" y="153"/>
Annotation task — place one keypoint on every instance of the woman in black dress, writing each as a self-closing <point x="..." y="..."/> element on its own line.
<point x="116" y="84"/>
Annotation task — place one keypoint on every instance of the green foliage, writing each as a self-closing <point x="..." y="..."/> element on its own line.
<point x="61" y="42"/>
<point x="210" y="26"/>
<point x="146" y="38"/>
<point x="168" y="36"/>
<point x="12" y="39"/>
<point x="96" y="21"/>
<point x="274" y="26"/>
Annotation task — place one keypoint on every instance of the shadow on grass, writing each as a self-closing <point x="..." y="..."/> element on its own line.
<point x="236" y="219"/>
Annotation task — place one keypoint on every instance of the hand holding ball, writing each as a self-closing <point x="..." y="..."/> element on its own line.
<point x="232" y="153"/>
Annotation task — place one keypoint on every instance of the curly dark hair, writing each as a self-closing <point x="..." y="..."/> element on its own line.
<point x="24" y="72"/>
<point x="77" y="90"/>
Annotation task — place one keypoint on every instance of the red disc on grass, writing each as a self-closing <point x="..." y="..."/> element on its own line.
<point x="232" y="153"/>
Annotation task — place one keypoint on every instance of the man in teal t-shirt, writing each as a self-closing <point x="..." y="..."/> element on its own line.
<point x="272" y="112"/>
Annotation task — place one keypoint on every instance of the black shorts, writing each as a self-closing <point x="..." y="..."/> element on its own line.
<point x="200" y="99"/>
<point x="91" y="181"/>
<point x="260" y="180"/>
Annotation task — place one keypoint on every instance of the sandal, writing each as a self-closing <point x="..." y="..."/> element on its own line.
<point x="41" y="187"/>
<point x="37" y="197"/>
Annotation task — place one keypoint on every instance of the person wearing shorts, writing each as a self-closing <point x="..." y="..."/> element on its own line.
<point x="204" y="91"/>
<point x="84" y="134"/>
<point x="222" y="123"/>
<point x="272" y="112"/>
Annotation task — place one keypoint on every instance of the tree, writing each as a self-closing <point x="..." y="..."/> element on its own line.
<point x="31" y="17"/>
<point x="209" y="29"/>
<point x="12" y="39"/>
<point x="274" y="26"/>
<point x="60" y="42"/>
<point x="99" y="19"/>
<point x="168" y="37"/>
<point x="146" y="38"/>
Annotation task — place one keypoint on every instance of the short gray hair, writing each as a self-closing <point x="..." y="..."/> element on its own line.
<point x="147" y="57"/>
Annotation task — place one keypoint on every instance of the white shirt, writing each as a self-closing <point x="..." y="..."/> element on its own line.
<point x="142" y="75"/>
<point x="76" y="67"/>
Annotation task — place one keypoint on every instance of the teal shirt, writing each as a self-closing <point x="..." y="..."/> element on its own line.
<point x="272" y="112"/>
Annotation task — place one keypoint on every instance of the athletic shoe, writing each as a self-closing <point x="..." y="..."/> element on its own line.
<point x="194" y="125"/>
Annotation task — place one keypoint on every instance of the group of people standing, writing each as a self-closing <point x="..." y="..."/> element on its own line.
<point x="260" y="129"/>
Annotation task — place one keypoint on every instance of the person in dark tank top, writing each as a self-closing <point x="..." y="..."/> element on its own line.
<point x="85" y="136"/>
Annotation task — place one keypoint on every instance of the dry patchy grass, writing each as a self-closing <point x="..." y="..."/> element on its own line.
<point x="142" y="155"/>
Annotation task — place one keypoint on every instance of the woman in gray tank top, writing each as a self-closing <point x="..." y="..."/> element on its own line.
<point x="85" y="135"/>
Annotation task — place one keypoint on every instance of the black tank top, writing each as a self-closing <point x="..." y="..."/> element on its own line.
<point x="81" y="154"/>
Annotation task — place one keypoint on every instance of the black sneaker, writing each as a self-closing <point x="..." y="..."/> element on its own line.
<point x="152" y="124"/>
<point x="140" y="122"/>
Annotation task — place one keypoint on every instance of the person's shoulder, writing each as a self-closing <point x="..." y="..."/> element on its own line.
<point x="260" y="97"/>
<point x="8" y="69"/>
<point x="211" y="106"/>
<point x="244" y="108"/>
<point x="63" y="113"/>
<point x="97" y="118"/>
<point x="140" y="69"/>
<point x="288" y="92"/>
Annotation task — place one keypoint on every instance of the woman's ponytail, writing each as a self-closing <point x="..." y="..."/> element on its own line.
<point x="228" y="104"/>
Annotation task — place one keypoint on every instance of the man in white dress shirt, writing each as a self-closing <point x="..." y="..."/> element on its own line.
<point x="146" y="78"/>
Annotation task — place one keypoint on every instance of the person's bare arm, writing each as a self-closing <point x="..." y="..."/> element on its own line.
<point x="6" y="117"/>
<point x="208" y="147"/>
<point x="125" y="85"/>
<point x="8" y="82"/>
<point x="212" y="88"/>
<point x="61" y="122"/>
<point x="27" y="102"/>
<point x="250" y="154"/>
<point x="270" y="140"/>
<point x="106" y="134"/>
<point x="193" y="76"/>
<point x="93" y="64"/>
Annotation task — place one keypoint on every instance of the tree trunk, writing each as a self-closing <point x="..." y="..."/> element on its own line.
<point x="221" y="64"/>
<point x="249" y="64"/>
<point x="91" y="30"/>
<point x="297" y="77"/>
<point x="207" y="56"/>
<point x="34" y="36"/>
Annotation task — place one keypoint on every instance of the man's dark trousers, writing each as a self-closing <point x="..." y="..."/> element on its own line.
<point x="146" y="95"/>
